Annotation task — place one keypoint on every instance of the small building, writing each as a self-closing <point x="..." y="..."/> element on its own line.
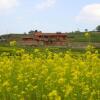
<point x="45" y="39"/>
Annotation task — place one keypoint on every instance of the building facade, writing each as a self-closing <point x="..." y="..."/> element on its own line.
<point x="45" y="39"/>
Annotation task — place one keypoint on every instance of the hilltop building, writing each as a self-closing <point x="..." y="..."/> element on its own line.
<point x="37" y="38"/>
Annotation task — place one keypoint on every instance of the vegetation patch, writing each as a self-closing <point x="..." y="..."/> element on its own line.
<point x="46" y="75"/>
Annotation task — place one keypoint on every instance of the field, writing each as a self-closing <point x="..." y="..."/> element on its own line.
<point x="44" y="74"/>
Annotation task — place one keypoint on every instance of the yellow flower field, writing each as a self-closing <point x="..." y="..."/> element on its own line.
<point x="50" y="76"/>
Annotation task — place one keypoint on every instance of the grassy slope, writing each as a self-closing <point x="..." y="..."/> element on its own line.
<point x="80" y="37"/>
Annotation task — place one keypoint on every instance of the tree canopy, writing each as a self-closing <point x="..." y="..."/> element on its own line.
<point x="98" y="28"/>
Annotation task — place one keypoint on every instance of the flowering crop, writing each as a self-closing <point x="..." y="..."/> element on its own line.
<point x="49" y="76"/>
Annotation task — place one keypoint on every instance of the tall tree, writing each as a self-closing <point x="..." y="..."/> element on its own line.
<point x="86" y="30"/>
<point x="98" y="28"/>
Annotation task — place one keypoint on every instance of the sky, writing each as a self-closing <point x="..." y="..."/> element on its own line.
<point x="18" y="16"/>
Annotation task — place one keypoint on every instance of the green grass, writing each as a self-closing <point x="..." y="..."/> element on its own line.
<point x="12" y="50"/>
<point x="80" y="37"/>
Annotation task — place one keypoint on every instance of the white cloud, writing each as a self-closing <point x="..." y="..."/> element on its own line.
<point x="7" y="4"/>
<point x="89" y="13"/>
<point x="45" y="4"/>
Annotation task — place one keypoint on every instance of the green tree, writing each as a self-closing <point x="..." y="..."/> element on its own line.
<point x="98" y="28"/>
<point x="86" y="30"/>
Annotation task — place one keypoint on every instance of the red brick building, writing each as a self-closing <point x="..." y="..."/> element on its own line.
<point x="45" y="39"/>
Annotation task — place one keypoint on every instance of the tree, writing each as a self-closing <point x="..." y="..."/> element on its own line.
<point x="86" y="30"/>
<point x="98" y="28"/>
<point x="31" y="32"/>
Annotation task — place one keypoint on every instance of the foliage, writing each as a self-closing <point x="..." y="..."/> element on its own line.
<point x="45" y="75"/>
<point x="98" y="28"/>
<point x="88" y="36"/>
<point x="12" y="43"/>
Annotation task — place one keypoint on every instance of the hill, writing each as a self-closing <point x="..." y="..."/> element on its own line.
<point x="80" y="37"/>
<point x="76" y="39"/>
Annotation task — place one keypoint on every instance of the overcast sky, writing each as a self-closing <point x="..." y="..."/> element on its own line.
<point x="48" y="15"/>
